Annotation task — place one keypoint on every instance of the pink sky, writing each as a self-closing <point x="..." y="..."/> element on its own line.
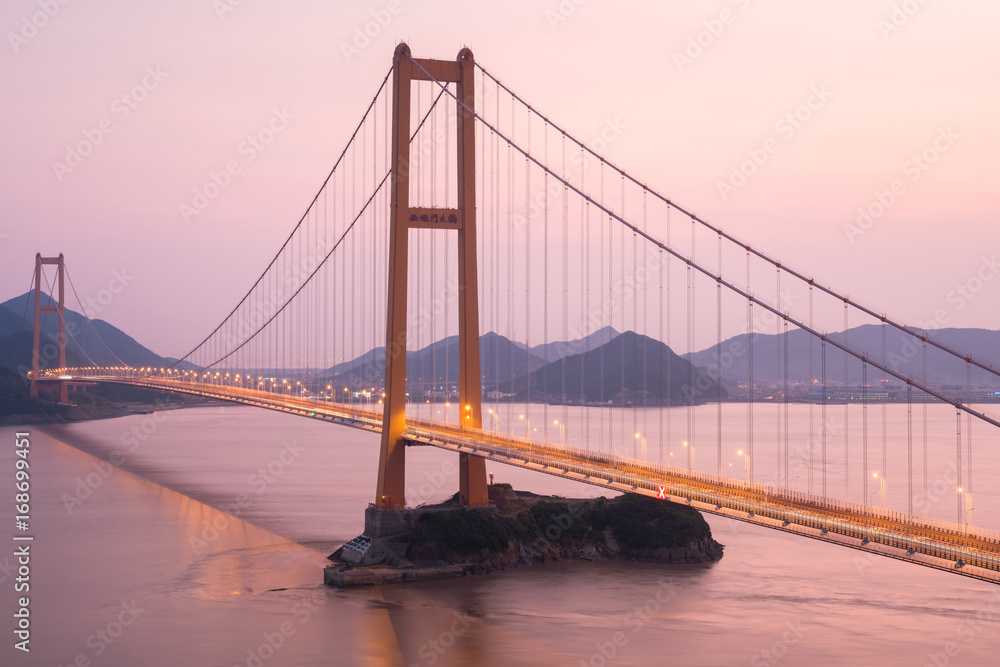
<point x="886" y="97"/>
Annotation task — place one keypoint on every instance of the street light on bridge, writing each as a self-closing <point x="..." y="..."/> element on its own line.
<point x="562" y="432"/>
<point x="871" y="518"/>
<point x="968" y="501"/>
<point x="881" y="488"/>
<point x="641" y="439"/>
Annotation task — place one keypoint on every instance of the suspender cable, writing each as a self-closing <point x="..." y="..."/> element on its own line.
<point x="823" y="413"/>
<point x="718" y="368"/>
<point x="909" y="448"/>
<point x="864" y="428"/>
<point x="751" y="334"/>
<point x="777" y="379"/>
<point x="968" y="442"/>
<point x="847" y="412"/>
<point x="811" y="441"/>
<point x="884" y="397"/>
<point x="788" y="480"/>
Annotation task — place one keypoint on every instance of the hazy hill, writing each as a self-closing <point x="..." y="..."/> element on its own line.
<point x="901" y="352"/>
<point x="630" y="369"/>
<point x="558" y="350"/>
<point x="437" y="364"/>
<point x="16" y="334"/>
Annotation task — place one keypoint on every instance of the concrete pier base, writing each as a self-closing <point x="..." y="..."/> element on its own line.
<point x="382" y="523"/>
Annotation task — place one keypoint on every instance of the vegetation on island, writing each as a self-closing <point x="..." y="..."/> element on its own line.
<point x="529" y="525"/>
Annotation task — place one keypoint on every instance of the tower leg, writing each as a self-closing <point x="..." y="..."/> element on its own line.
<point x="35" y="339"/>
<point x="390" y="493"/>
<point x="63" y="389"/>
<point x="473" y="491"/>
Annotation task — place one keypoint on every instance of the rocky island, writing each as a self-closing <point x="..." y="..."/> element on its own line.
<point x="523" y="529"/>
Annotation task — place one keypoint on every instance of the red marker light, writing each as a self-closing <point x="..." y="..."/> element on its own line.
<point x="661" y="492"/>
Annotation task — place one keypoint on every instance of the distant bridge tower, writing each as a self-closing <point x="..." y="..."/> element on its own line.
<point x="39" y="309"/>
<point x="392" y="458"/>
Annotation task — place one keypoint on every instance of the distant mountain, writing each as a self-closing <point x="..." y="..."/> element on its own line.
<point x="500" y="358"/>
<point x="631" y="369"/>
<point x="555" y="351"/>
<point x="16" y="337"/>
<point x="10" y="322"/>
<point x="902" y="353"/>
<point x="437" y="364"/>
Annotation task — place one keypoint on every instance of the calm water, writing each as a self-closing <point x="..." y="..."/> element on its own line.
<point x="138" y="566"/>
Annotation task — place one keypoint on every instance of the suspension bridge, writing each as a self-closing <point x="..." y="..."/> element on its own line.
<point x="455" y="208"/>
